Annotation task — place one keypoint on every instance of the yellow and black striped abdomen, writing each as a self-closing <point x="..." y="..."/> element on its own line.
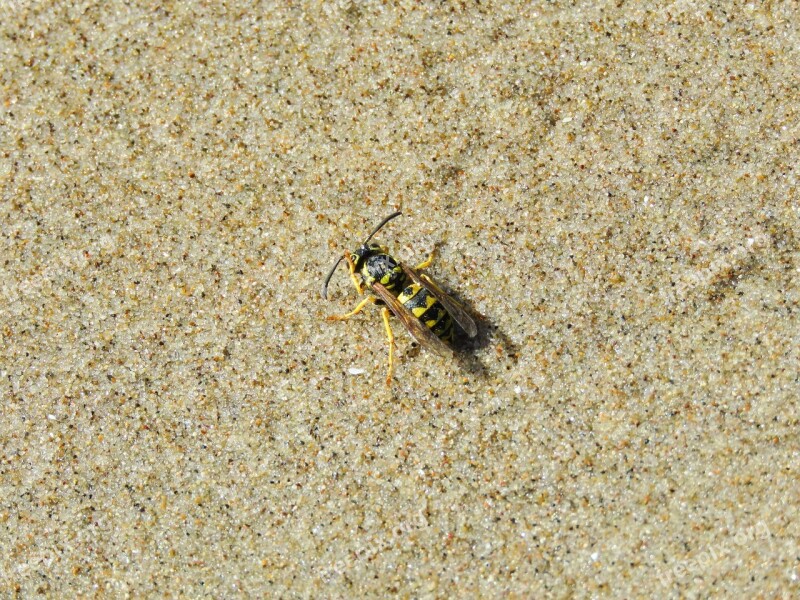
<point x="427" y="309"/>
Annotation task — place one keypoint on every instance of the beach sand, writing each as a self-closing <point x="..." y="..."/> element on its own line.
<point x="612" y="190"/>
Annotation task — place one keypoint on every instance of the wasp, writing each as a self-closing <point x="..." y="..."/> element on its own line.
<point x="424" y="309"/>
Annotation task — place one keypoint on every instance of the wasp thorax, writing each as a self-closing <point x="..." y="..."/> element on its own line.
<point x="377" y="266"/>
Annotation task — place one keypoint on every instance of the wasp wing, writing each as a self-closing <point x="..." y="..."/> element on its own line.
<point x="415" y="327"/>
<point x="450" y="305"/>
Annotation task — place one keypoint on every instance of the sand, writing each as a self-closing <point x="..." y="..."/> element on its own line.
<point x="612" y="188"/>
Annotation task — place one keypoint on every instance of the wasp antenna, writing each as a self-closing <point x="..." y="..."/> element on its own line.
<point x="328" y="278"/>
<point x="381" y="224"/>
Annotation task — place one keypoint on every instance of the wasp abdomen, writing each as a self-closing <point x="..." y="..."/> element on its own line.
<point x="427" y="309"/>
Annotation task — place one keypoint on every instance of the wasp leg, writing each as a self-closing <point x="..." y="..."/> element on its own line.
<point x="352" y="268"/>
<point x="390" y="336"/>
<point x="427" y="263"/>
<point x="353" y="312"/>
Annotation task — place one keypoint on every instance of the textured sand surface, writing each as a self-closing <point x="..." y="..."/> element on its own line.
<point x="613" y="186"/>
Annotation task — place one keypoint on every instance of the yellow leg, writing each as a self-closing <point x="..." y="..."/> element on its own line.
<point x="353" y="312"/>
<point x="390" y="336"/>
<point x="352" y="267"/>
<point x="427" y="263"/>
